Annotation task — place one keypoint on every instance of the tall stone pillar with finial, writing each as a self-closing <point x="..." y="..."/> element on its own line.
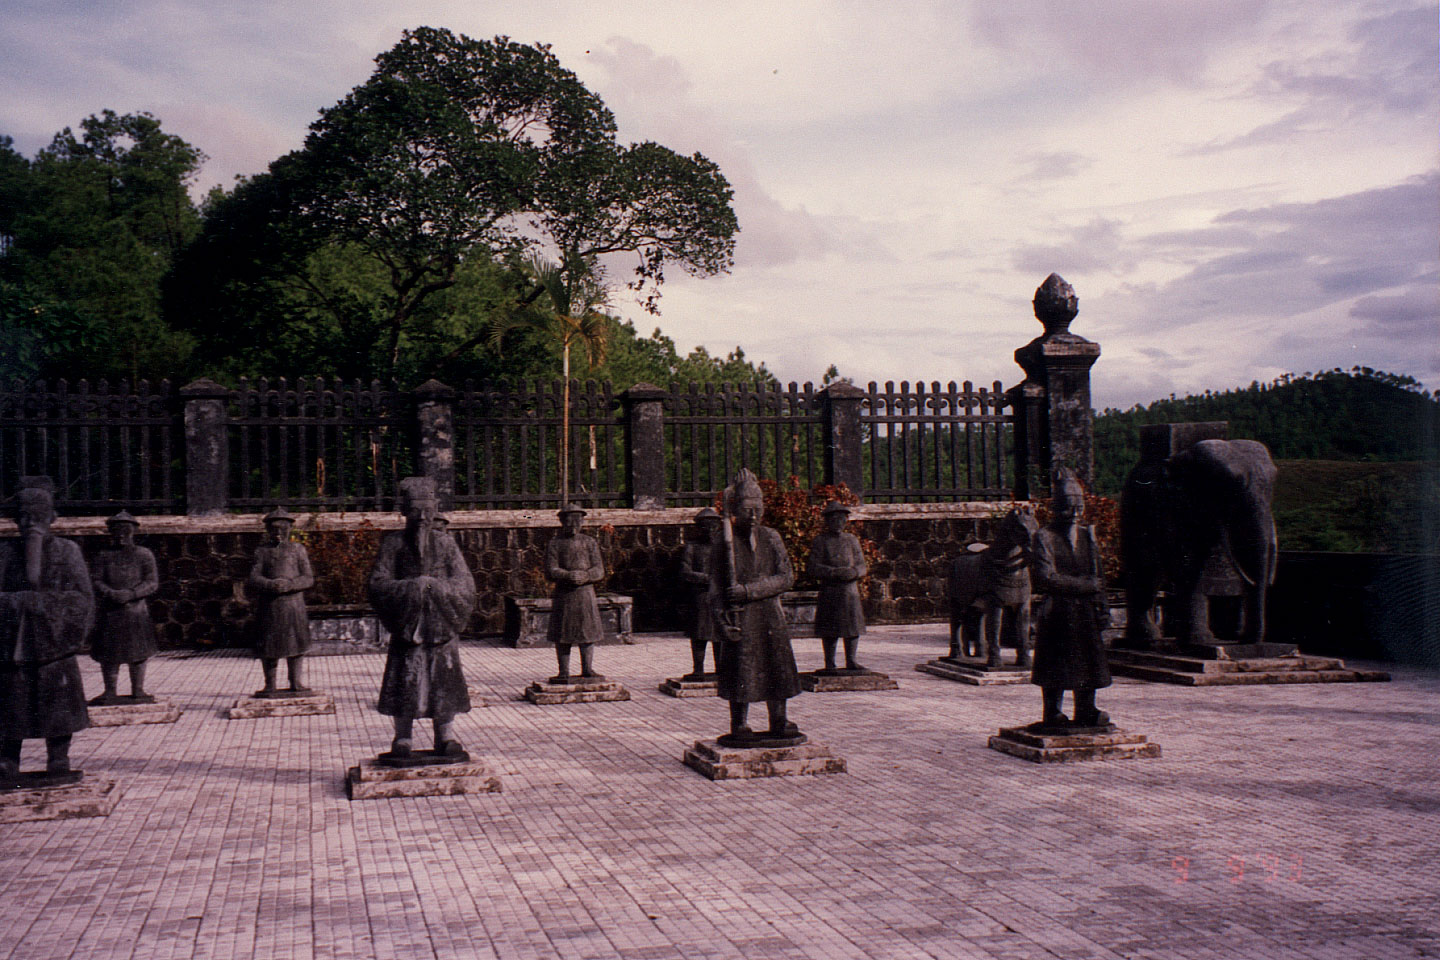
<point x="1054" y="423"/>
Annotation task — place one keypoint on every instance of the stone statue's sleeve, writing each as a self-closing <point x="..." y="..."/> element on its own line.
<point x="1048" y="578"/>
<point x="773" y="549"/>
<point x="594" y="571"/>
<point x="693" y="569"/>
<point x="391" y="598"/>
<point x="453" y="595"/>
<point x="858" y="566"/>
<point x="554" y="570"/>
<point x="305" y="579"/>
<point x="149" y="576"/>
<point x="54" y="622"/>
<point x="257" y="580"/>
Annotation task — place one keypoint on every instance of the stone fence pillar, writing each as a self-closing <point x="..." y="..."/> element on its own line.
<point x="840" y="414"/>
<point x="435" y="438"/>
<point x="207" y="448"/>
<point x="645" y="445"/>
<point x="1054" y="424"/>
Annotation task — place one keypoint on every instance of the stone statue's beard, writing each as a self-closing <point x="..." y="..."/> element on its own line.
<point x="34" y="554"/>
<point x="420" y="537"/>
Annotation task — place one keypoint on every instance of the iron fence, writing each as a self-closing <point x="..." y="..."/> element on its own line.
<point x="918" y="444"/>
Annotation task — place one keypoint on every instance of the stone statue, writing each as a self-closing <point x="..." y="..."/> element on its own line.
<point x="423" y="593"/>
<point x="756" y="662"/>
<point x="279" y="578"/>
<point x="1068" y="573"/>
<point x="695" y="563"/>
<point x="1190" y="517"/>
<point x="123" y="576"/>
<point x="573" y="563"/>
<point x="838" y="563"/>
<point x="47" y="607"/>
<point x="989" y="590"/>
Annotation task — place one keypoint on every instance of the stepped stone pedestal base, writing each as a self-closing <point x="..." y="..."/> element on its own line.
<point x="1047" y="745"/>
<point x="1232" y="664"/>
<point x="43" y="796"/>
<point x="426" y="776"/>
<point x="286" y="705"/>
<point x="575" y="690"/>
<point x="830" y="681"/>
<point x="691" y="685"/>
<point x="975" y="671"/>
<point x="123" y="711"/>
<point x="743" y="763"/>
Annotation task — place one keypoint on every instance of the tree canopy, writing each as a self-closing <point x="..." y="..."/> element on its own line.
<point x="456" y="158"/>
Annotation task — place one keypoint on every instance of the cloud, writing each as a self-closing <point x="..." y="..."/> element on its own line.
<point x="1096" y="246"/>
<point x="1055" y="166"/>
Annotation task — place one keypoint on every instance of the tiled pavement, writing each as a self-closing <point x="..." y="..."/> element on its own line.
<point x="1281" y="822"/>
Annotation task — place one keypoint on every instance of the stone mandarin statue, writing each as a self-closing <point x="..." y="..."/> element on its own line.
<point x="279" y="578"/>
<point x="47" y="607"/>
<point x="1067" y="572"/>
<point x="756" y="662"/>
<point x="573" y="563"/>
<point x="696" y="561"/>
<point x="423" y="593"/>
<point x="123" y="576"/>
<point x="838" y="563"/>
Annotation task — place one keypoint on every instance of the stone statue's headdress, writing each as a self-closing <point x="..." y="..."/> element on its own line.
<point x="744" y="487"/>
<point x="279" y="513"/>
<point x="417" y="488"/>
<point x="570" y="508"/>
<point x="1067" y="486"/>
<point x="122" y="517"/>
<point x="835" y="506"/>
<point x="36" y="490"/>
<point x="709" y="513"/>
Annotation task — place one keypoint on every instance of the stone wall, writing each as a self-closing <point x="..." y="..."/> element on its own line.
<point x="203" y="562"/>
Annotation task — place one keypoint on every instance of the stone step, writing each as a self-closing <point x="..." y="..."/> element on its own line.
<point x="1171" y="661"/>
<point x="1245" y="678"/>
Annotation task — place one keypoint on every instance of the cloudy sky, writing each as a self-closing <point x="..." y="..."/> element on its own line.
<point x="1236" y="188"/>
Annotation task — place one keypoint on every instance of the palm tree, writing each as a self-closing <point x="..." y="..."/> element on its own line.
<point x="576" y="291"/>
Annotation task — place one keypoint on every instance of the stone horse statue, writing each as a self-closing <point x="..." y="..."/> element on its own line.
<point x="989" y="588"/>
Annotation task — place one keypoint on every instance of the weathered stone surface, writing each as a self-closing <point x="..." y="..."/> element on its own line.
<point x="527" y="619"/>
<point x="973" y="670"/>
<point x="125" y="714"/>
<point x="1068" y="748"/>
<point x="1192" y="671"/>
<point x="371" y="780"/>
<point x="680" y="687"/>
<point x="819" y="681"/>
<point x="742" y="763"/>
<point x="545" y="693"/>
<point x="251" y="708"/>
<point x="91" y="797"/>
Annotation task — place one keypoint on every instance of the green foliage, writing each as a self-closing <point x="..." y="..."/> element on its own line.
<point x="455" y="158"/>
<point x="88" y="228"/>
<point x="1359" y="415"/>
<point x="1358" y="507"/>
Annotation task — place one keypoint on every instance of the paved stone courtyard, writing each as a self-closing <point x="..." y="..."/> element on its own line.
<point x="1281" y="822"/>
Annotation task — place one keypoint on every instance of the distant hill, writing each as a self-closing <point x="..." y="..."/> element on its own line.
<point x="1359" y="415"/>
<point x="1358" y="454"/>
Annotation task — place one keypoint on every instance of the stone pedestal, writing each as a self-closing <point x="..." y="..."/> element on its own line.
<point x="974" y="670"/>
<point x="691" y="685"/>
<point x="1233" y="664"/>
<point x="286" y="705"/>
<point x="744" y="763"/>
<point x="123" y="711"/>
<point x="575" y="690"/>
<point x="42" y="796"/>
<point x="831" y="681"/>
<point x="428" y="776"/>
<point x="1048" y="745"/>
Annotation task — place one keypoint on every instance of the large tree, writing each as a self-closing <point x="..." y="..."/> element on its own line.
<point x="455" y="151"/>
<point x="87" y="230"/>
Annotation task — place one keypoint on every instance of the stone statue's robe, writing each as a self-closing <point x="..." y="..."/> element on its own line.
<point x="123" y="577"/>
<point x="424" y="598"/>
<point x="574" y="565"/>
<point x="280" y="577"/>
<point x="41" y="630"/>
<point x="1069" y="648"/>
<point x="758" y="664"/>
<point x="695" y="562"/>
<point x="838" y="563"/>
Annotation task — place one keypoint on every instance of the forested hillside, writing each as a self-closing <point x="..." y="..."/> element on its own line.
<point x="1357" y="452"/>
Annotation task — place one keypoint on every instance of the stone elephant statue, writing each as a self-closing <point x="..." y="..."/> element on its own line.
<point x="1187" y="518"/>
<point x="989" y="588"/>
